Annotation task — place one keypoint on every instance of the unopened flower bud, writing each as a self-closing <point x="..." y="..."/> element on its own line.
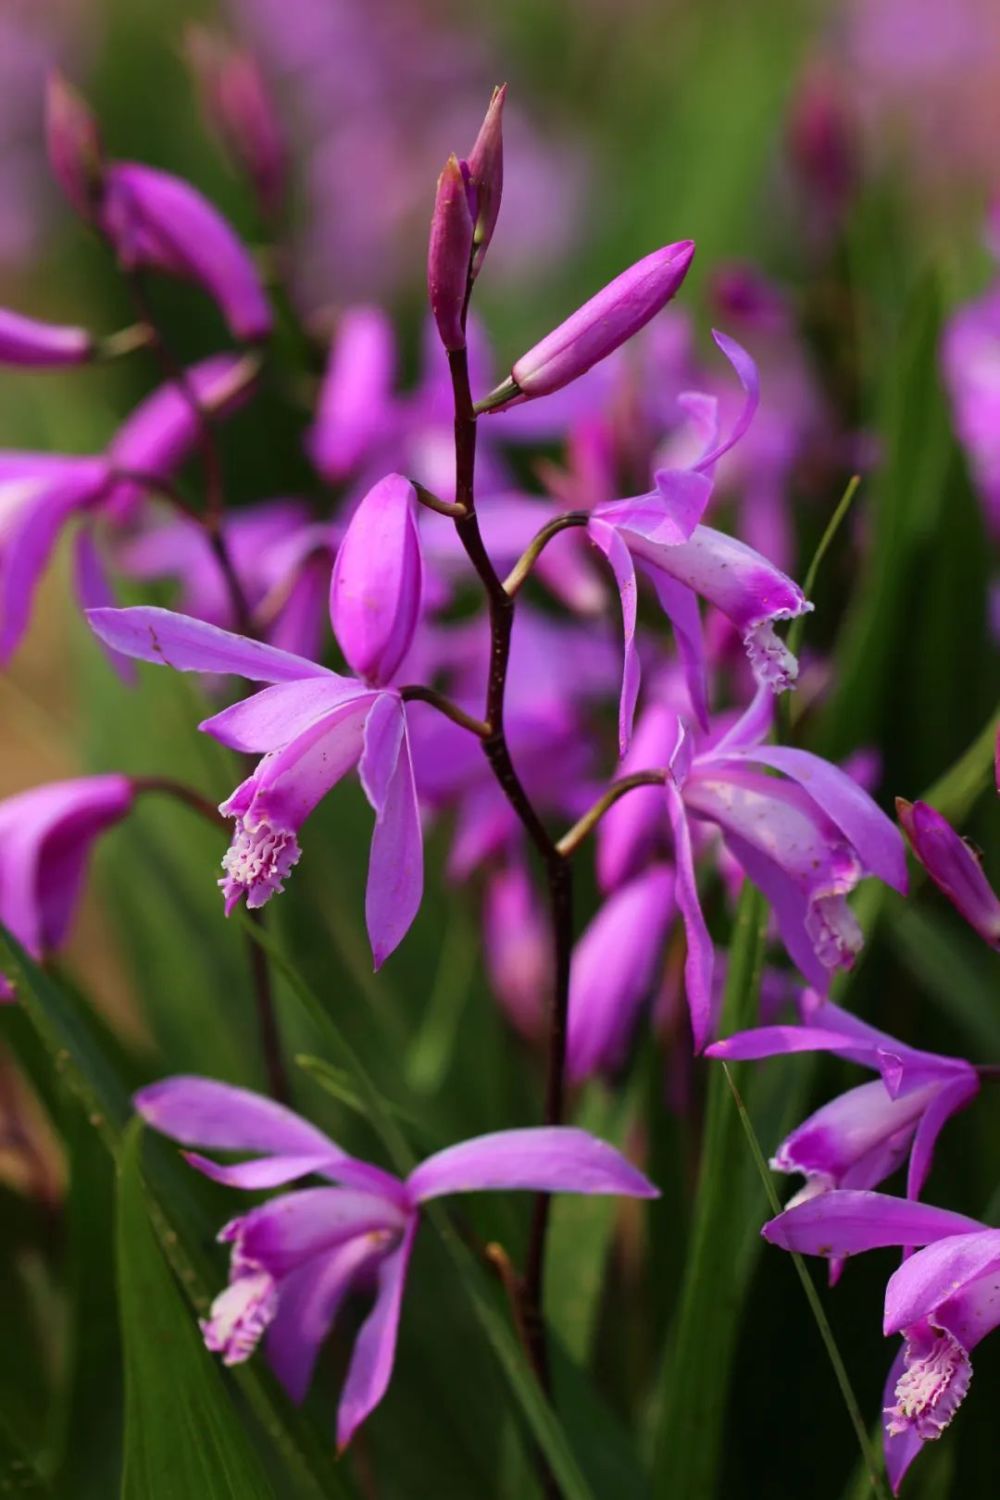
<point x="76" y="155"/>
<point x="377" y="583"/>
<point x="30" y="343"/>
<point x="238" y="106"/>
<point x="485" y="167"/>
<point x="450" y="254"/>
<point x="597" y="328"/>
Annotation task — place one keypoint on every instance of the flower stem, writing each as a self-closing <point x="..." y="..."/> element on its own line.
<point x="521" y="569"/>
<point x="415" y="692"/>
<point x="556" y="863"/>
<point x="574" y="837"/>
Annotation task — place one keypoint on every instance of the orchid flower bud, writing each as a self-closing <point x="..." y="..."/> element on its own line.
<point x="155" y="219"/>
<point x="450" y="255"/>
<point x="76" y="155"/>
<point x="238" y="107"/>
<point x="33" y="344"/>
<point x="597" y="328"/>
<point x="954" y="866"/>
<point x="485" y="165"/>
<point x="377" y="583"/>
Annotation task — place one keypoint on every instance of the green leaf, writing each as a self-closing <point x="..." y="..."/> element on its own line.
<point x="957" y="971"/>
<point x="19" y="1479"/>
<point x="694" y="1384"/>
<point x="183" y="1435"/>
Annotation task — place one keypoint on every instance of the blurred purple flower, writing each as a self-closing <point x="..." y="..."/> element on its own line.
<point x="296" y="1258"/>
<point x="46" y="835"/>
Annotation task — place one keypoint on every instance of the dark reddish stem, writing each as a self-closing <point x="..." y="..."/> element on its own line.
<point x="556" y="864"/>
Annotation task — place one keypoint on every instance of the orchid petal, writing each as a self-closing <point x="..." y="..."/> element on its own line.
<point x="541" y="1159"/>
<point x="261" y="1171"/>
<point x="374" y="1353"/>
<point x="901" y="1448"/>
<point x="309" y="1301"/>
<point x="845" y="1222"/>
<point x="680" y="605"/>
<point x="274" y="717"/>
<point x="700" y="959"/>
<point x="287" y="1231"/>
<point x="939" y="1273"/>
<point x="396" y="863"/>
<point x="749" y="379"/>
<point x="775" y="1041"/>
<point x="201" y="1112"/>
<point x="606" y="539"/>
<point x="948" y="1101"/>
<point x="95" y="592"/>
<point x="189" y="645"/>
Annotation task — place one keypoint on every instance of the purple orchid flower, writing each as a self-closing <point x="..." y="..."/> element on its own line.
<point x="614" y="969"/>
<point x="860" y="1138"/>
<point x="661" y="531"/>
<point x="312" y="726"/>
<point x="970" y="358"/>
<point x="517" y="945"/>
<point x="237" y="105"/>
<point x="42" y="493"/>
<point x="46" y="835"/>
<point x="954" y="866"/>
<point x="942" y="1299"/>
<point x="805" y="838"/>
<point x="296" y="1259"/>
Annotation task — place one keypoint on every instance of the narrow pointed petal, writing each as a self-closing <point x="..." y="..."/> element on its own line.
<point x="846" y="804"/>
<point x="374" y="1354"/>
<point x="309" y="1301"/>
<point x="261" y="1171"/>
<point x="606" y="539"/>
<point x="189" y="645"/>
<point x="749" y="379"/>
<point x="202" y="1112"/>
<point x="776" y="1041"/>
<point x="272" y="718"/>
<point x="699" y="962"/>
<point x="846" y="1222"/>
<point x="751" y="727"/>
<point x="543" y="1159"/>
<point x="938" y="1274"/>
<point x="633" y="827"/>
<point x="948" y="1101"/>
<point x="666" y="515"/>
<point x="396" y="864"/>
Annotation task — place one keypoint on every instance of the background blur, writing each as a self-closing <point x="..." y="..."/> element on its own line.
<point x="849" y="151"/>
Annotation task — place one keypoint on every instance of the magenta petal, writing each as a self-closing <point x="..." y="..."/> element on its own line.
<point x="375" y="1347"/>
<point x="939" y="1274"/>
<point x="188" y="645"/>
<point x="309" y="1300"/>
<point x="845" y="1133"/>
<point x="31" y="343"/>
<point x="353" y="406"/>
<point x="774" y="1041"/>
<point x="948" y="1101"/>
<point x="666" y="515"/>
<point x="201" y="1112"/>
<point x="634" y="825"/>
<point x="543" y="1159"/>
<point x="699" y="962"/>
<point x="289" y="1230"/>
<point x="613" y="971"/>
<point x="874" y="836"/>
<point x="377" y="583"/>
<point x="277" y="715"/>
<point x="396" y="863"/>
<point x="262" y="1171"/>
<point x="845" y="1222"/>
<point x="606" y="539"/>
<point x="746" y="369"/>
<point x="156" y="219"/>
